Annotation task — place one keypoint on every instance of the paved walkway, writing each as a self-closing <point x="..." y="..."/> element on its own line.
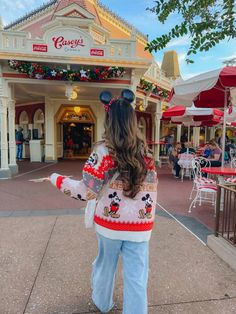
<point x="46" y="255"/>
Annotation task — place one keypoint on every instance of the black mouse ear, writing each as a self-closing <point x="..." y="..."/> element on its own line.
<point x="128" y="95"/>
<point x="105" y="97"/>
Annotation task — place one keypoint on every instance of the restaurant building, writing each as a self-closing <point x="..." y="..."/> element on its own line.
<point x="54" y="62"/>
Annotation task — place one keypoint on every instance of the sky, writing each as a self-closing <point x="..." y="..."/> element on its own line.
<point x="135" y="13"/>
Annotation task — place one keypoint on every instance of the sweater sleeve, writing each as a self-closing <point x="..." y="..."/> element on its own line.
<point x="96" y="172"/>
<point x="74" y="188"/>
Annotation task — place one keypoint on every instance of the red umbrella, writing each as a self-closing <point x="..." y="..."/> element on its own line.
<point x="208" y="90"/>
<point x="216" y="114"/>
<point x="215" y="96"/>
<point x="176" y="111"/>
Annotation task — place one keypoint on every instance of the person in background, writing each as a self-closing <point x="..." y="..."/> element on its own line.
<point x="69" y="142"/>
<point x="169" y="141"/>
<point x="229" y="145"/>
<point x="76" y="142"/>
<point x="187" y="148"/>
<point x="19" y="144"/>
<point x="184" y="138"/>
<point x="122" y="176"/>
<point x="174" y="158"/>
<point x="216" y="153"/>
<point x="206" y="151"/>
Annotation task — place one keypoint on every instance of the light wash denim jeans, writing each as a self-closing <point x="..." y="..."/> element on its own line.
<point x="135" y="274"/>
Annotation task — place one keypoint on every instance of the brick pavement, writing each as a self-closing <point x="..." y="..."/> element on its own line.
<point x="46" y="255"/>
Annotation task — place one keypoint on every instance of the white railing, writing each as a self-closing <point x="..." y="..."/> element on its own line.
<point x="13" y="41"/>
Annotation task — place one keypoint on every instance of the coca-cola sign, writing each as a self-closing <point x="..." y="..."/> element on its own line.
<point x="40" y="48"/>
<point x="97" y="52"/>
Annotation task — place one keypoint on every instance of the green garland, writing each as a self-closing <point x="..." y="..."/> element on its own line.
<point x="153" y="88"/>
<point x="44" y="72"/>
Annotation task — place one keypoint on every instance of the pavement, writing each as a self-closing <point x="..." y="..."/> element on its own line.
<point x="46" y="255"/>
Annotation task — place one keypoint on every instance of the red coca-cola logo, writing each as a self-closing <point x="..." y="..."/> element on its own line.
<point x="40" y="48"/>
<point x="97" y="52"/>
<point x="60" y="41"/>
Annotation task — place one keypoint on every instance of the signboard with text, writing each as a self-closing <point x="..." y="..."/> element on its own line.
<point x="69" y="42"/>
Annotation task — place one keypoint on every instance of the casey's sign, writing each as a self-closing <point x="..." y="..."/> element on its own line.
<point x="60" y="42"/>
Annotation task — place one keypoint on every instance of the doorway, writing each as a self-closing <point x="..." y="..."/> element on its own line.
<point x="75" y="131"/>
<point x="77" y="140"/>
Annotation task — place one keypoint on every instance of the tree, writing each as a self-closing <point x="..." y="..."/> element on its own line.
<point x="207" y="22"/>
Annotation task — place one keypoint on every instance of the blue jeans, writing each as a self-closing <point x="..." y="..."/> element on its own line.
<point x="135" y="274"/>
<point x="19" y="151"/>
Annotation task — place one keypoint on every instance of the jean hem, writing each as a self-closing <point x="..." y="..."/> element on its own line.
<point x="103" y="311"/>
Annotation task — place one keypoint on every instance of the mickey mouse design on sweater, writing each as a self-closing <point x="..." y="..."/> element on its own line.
<point x="146" y="213"/>
<point x="92" y="160"/>
<point x="114" y="206"/>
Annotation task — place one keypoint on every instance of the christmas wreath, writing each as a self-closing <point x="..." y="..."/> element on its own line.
<point x="44" y="72"/>
<point x="153" y="88"/>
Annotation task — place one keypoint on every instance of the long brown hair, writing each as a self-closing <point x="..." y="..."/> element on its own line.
<point x="126" y="145"/>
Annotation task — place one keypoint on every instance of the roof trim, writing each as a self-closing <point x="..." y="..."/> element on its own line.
<point x="52" y="3"/>
<point x="43" y="7"/>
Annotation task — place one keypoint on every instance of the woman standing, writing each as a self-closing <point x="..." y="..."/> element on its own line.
<point x="122" y="177"/>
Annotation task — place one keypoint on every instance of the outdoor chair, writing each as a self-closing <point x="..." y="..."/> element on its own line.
<point x="205" y="188"/>
<point x="233" y="165"/>
<point x="232" y="153"/>
<point x="197" y="163"/>
<point x="233" y="162"/>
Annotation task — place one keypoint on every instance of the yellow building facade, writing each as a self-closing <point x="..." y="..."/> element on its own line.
<point x="54" y="63"/>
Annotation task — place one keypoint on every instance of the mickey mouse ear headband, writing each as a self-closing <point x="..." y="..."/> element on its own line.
<point x="107" y="99"/>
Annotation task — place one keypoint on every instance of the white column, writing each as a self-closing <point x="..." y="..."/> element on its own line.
<point x="205" y="139"/>
<point x="30" y="126"/>
<point x="50" y="132"/>
<point x="196" y="136"/>
<point x="12" y="142"/>
<point x="157" y="135"/>
<point x="179" y="127"/>
<point x="212" y="132"/>
<point x="4" y="170"/>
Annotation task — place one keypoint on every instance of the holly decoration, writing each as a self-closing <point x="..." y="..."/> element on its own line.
<point x="44" y="72"/>
<point x="154" y="89"/>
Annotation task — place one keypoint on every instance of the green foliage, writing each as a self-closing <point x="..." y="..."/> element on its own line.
<point x="154" y="89"/>
<point x="206" y="22"/>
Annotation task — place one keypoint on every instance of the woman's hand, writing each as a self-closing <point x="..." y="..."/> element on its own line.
<point x="39" y="180"/>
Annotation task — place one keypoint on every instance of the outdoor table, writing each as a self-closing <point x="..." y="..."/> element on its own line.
<point x="221" y="172"/>
<point x="185" y="162"/>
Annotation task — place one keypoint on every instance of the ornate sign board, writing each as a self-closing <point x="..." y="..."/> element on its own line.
<point x="84" y="116"/>
<point x="68" y="41"/>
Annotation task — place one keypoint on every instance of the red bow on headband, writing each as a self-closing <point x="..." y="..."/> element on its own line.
<point x="107" y="106"/>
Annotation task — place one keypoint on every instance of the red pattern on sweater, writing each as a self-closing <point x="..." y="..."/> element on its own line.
<point x="59" y="181"/>
<point x="121" y="226"/>
<point x="106" y="164"/>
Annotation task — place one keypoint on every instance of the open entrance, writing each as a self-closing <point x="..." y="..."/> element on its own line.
<point x="77" y="139"/>
<point x="78" y="131"/>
